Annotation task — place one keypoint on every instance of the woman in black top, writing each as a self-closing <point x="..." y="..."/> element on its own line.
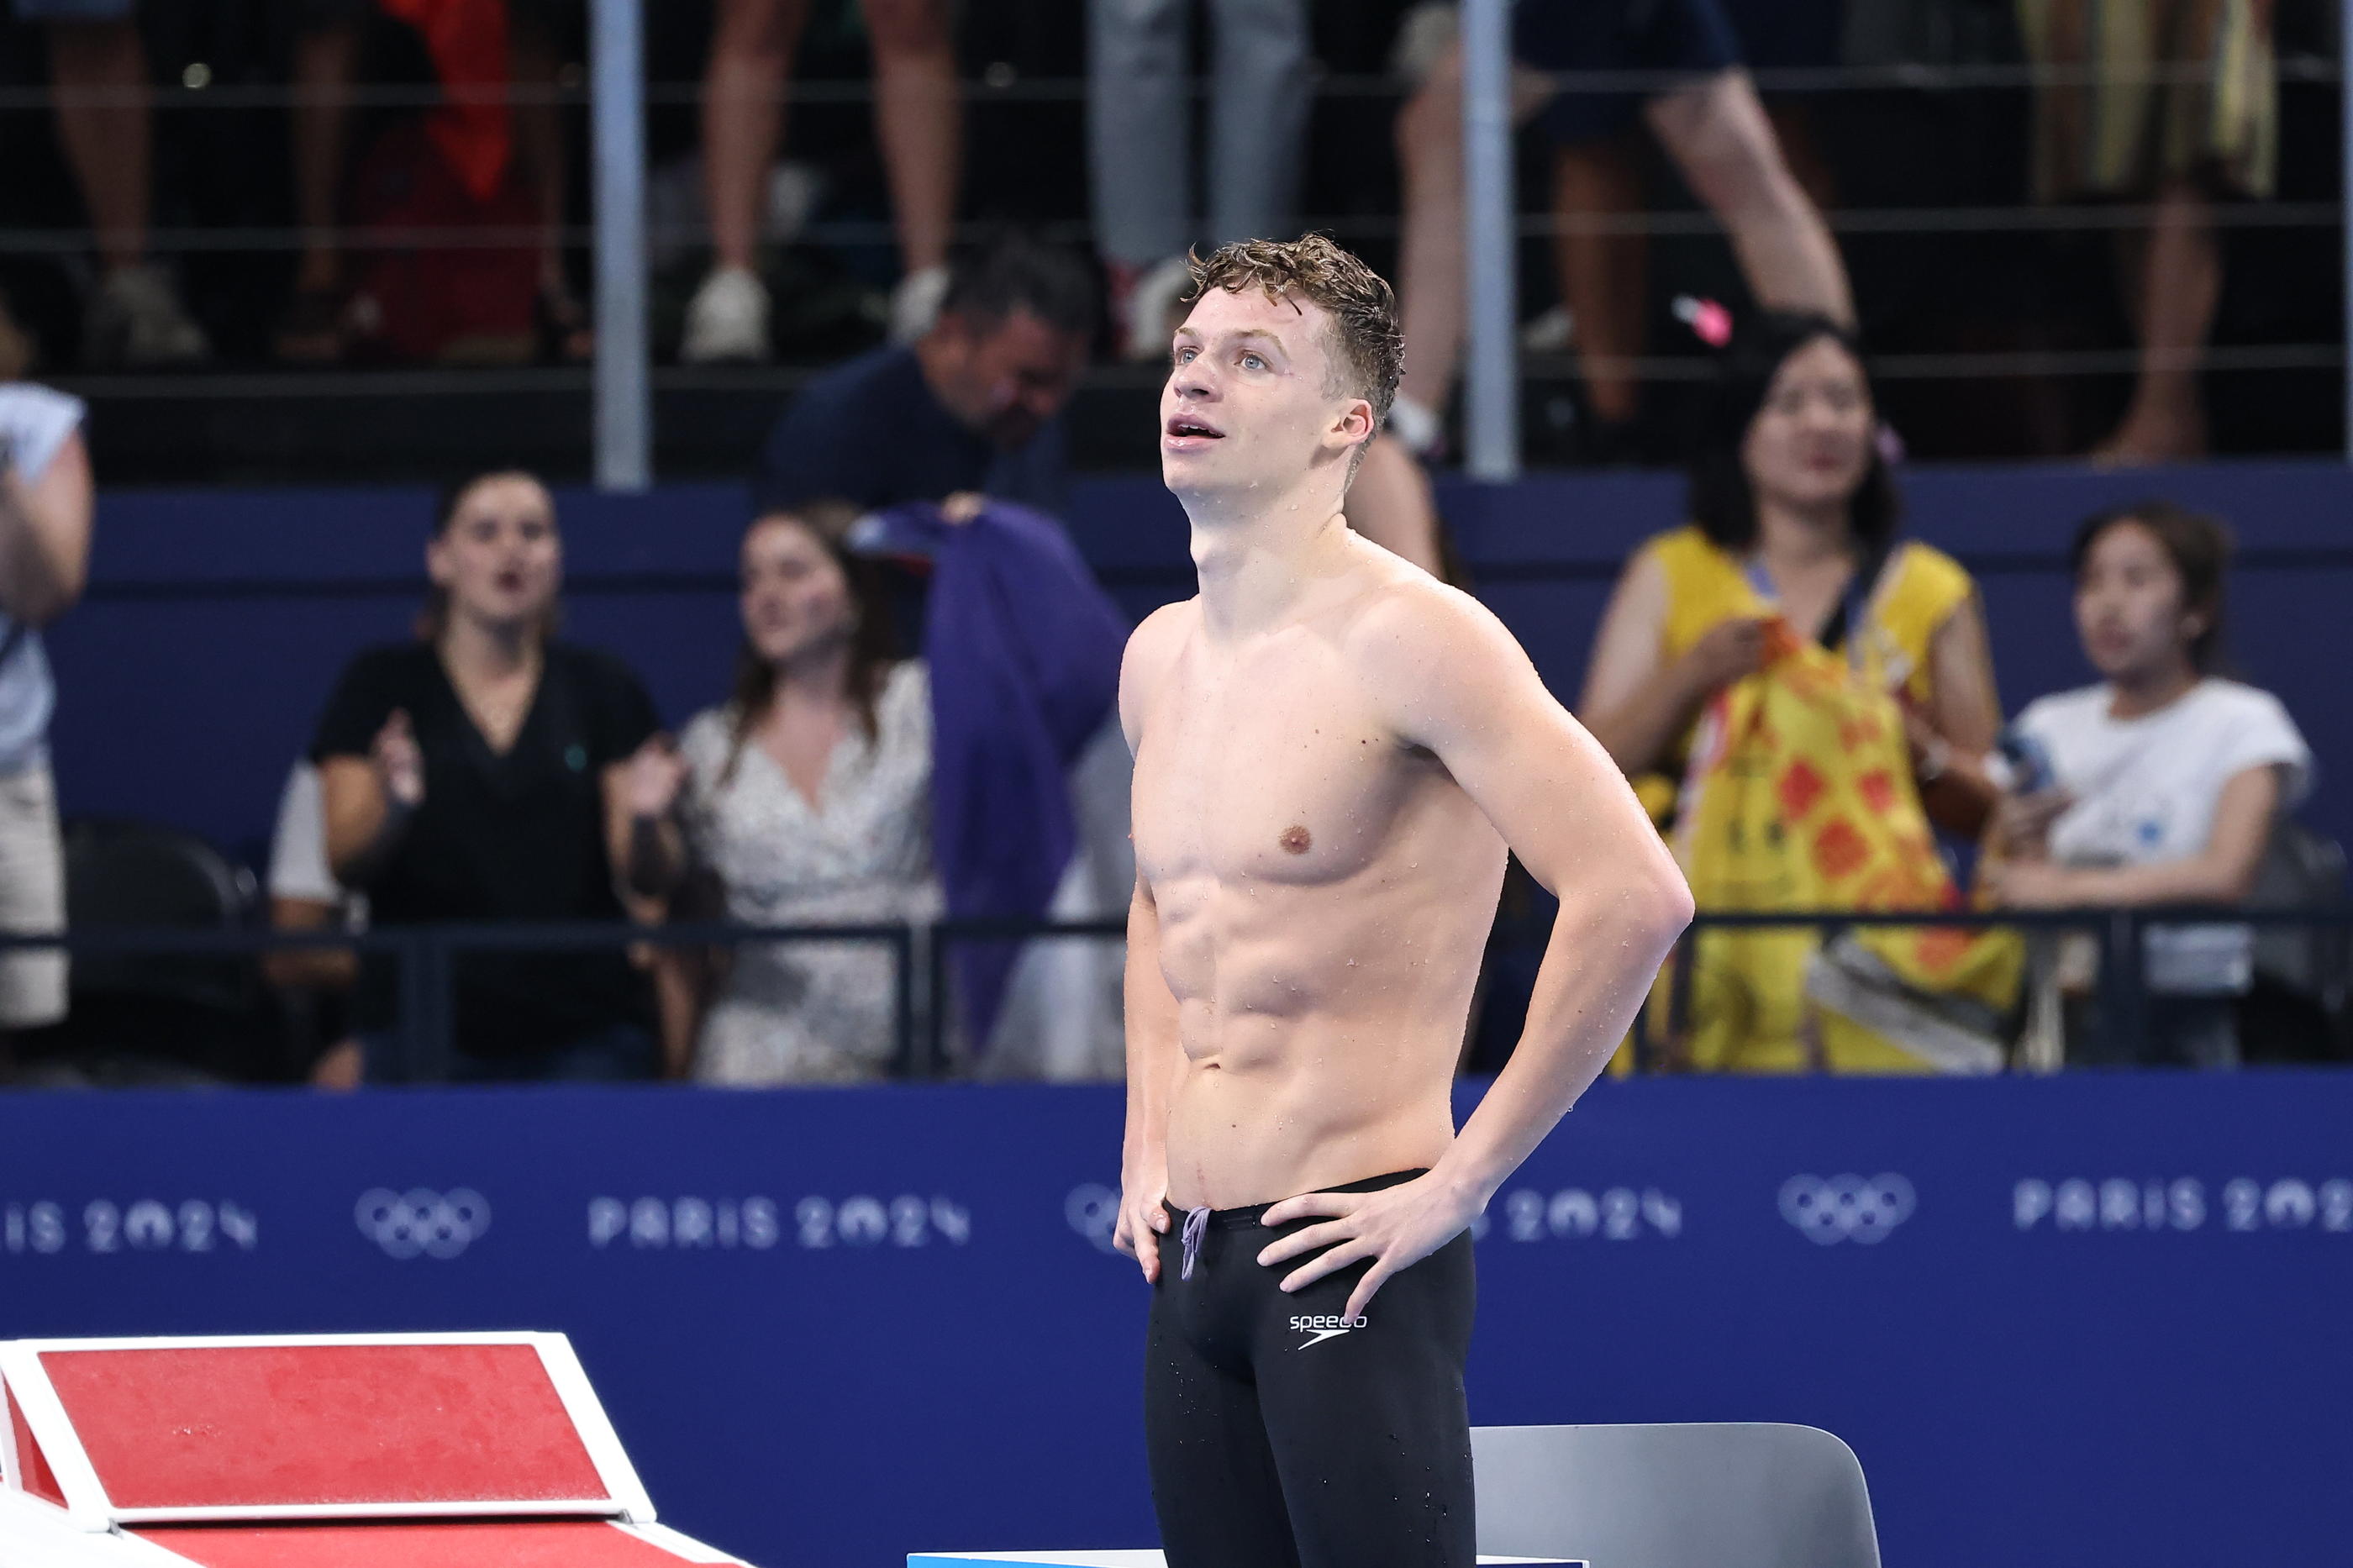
<point x="476" y="775"/>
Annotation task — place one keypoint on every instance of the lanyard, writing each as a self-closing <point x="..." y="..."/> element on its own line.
<point x="1853" y="606"/>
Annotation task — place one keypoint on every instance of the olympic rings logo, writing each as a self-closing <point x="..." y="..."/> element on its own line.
<point x="1865" y="1210"/>
<point x="1092" y="1211"/>
<point x="422" y="1223"/>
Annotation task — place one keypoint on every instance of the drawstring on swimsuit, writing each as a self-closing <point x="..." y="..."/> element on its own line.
<point x="1197" y="1223"/>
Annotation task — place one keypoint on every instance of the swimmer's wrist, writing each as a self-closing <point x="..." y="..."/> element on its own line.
<point x="1470" y="1186"/>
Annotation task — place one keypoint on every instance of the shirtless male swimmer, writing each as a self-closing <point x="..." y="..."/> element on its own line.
<point x="1332" y="752"/>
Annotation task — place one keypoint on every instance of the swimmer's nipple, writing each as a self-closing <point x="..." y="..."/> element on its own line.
<point x="1295" y="840"/>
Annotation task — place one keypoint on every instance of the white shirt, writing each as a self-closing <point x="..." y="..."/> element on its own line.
<point x="298" y="850"/>
<point x="812" y="1011"/>
<point x="35" y="424"/>
<point x="2146" y="791"/>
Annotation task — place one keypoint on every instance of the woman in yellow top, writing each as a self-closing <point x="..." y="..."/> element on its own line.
<point x="1814" y="684"/>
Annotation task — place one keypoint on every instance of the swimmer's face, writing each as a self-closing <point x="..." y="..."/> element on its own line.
<point x="1254" y="399"/>
<point x="1809" y="443"/>
<point x="796" y="598"/>
<point x="499" y="560"/>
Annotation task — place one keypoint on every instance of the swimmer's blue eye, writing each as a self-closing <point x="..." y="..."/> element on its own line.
<point x="1252" y="362"/>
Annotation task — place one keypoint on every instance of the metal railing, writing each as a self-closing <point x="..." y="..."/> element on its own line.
<point x="922" y="953"/>
<point x="618" y="96"/>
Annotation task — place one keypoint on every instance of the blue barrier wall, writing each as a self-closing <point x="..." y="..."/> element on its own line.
<point x="2086" y="1322"/>
<point x="217" y="620"/>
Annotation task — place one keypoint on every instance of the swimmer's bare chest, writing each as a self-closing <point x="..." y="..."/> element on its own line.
<point x="1298" y="850"/>
<point x="1324" y="889"/>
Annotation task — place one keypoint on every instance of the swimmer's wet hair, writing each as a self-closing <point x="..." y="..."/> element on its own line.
<point x="1366" y="348"/>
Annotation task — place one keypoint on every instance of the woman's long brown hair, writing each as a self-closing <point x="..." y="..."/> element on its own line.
<point x="873" y="643"/>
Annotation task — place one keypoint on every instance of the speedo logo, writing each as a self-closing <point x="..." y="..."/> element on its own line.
<point x="1321" y="1329"/>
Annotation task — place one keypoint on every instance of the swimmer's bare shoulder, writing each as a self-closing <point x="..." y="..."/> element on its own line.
<point x="1152" y="648"/>
<point x="1449" y="677"/>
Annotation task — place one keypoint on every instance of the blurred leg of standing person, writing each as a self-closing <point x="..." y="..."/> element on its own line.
<point x="98" y="71"/>
<point x="1140" y="142"/>
<point x="1712" y="127"/>
<point x="1720" y="139"/>
<point x="919" y="121"/>
<point x="918" y="118"/>
<point x="1140" y="156"/>
<point x="325" y="63"/>
<point x="1260" y="86"/>
<point x="752" y="48"/>
<point x="2181" y="107"/>
<point x="1604" y="276"/>
<point x="1602" y="268"/>
<point x="546" y="165"/>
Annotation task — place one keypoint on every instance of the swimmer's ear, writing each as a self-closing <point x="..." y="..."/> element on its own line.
<point x="1355" y="425"/>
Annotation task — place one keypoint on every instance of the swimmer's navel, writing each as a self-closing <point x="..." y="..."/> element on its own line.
<point x="1295" y="840"/>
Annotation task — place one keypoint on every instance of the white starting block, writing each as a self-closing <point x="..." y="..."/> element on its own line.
<point x="343" y="1452"/>
<point x="1144" y="1560"/>
<point x="1141" y="1560"/>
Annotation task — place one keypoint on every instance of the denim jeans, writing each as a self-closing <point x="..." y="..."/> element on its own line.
<point x="1140" y="123"/>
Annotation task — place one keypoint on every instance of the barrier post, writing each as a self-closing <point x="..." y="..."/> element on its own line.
<point x="935" y="1023"/>
<point x="1491" y="245"/>
<point x="624" y="389"/>
<point x="902" y="1000"/>
<point x="2124" y="984"/>
<point x="425" y="1007"/>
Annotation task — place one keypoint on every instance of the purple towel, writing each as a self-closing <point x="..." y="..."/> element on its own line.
<point x="1024" y="649"/>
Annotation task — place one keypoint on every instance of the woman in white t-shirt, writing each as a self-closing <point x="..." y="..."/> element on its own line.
<point x="2167" y="778"/>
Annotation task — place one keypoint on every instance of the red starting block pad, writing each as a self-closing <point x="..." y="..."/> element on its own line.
<point x="351" y="1451"/>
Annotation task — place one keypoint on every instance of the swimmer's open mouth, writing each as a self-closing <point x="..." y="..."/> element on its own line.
<point x="1185" y="424"/>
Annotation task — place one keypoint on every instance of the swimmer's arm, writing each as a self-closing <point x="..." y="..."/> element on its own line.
<point x="1154" y="1058"/>
<point x="1452" y="681"/>
<point x="1154" y="1063"/>
<point x="1462" y="687"/>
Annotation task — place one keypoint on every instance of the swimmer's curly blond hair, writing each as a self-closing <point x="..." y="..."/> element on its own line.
<point x="1367" y="350"/>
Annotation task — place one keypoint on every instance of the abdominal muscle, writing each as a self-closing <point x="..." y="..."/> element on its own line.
<point x="1319" y="1046"/>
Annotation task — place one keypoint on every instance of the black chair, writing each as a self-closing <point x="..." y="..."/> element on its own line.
<point x="154" y="1018"/>
<point x="2295" y="1011"/>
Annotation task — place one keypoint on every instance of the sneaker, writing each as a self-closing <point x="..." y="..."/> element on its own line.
<point x="1154" y="307"/>
<point x="727" y="320"/>
<point x="1550" y="334"/>
<point x="915" y="303"/>
<point x="137" y="323"/>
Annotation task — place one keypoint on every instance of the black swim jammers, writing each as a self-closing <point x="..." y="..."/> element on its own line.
<point x="1282" y="1434"/>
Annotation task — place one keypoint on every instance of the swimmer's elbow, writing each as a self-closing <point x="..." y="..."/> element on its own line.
<point x="1663" y="905"/>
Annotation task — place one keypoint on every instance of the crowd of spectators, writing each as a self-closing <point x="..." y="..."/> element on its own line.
<point x="1803" y="697"/>
<point x="446" y="233"/>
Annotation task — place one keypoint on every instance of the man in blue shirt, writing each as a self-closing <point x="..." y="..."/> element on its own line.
<point x="973" y="404"/>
